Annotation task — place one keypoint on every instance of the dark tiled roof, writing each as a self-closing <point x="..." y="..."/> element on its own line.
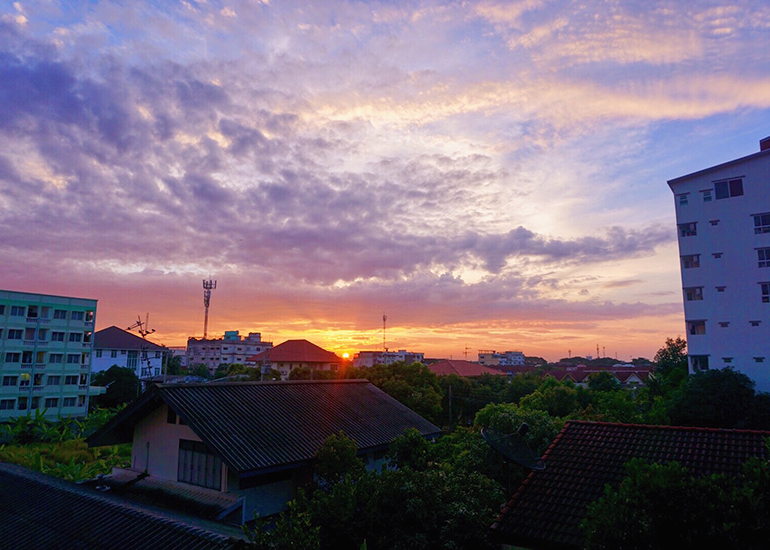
<point x="262" y="426"/>
<point x="297" y="351"/>
<point x="548" y="507"/>
<point x="42" y="512"/>
<point x="462" y="368"/>
<point x="117" y="338"/>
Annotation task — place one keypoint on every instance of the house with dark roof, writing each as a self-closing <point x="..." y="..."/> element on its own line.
<point x="548" y="507"/>
<point x="115" y="346"/>
<point x="48" y="512"/>
<point x="294" y="354"/>
<point x="245" y="447"/>
<point x="468" y="369"/>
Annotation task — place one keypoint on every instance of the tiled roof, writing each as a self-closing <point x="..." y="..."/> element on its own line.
<point x="117" y="338"/>
<point x="296" y="351"/>
<point x="264" y="426"/>
<point x="462" y="368"/>
<point x="549" y="505"/>
<point x="43" y="512"/>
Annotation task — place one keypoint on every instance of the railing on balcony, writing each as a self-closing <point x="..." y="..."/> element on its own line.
<point x="36" y="319"/>
<point x="29" y="342"/>
<point x="83" y="387"/>
<point x="38" y="388"/>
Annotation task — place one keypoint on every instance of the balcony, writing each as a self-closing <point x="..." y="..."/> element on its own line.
<point x="83" y="366"/>
<point x="36" y="319"/>
<point x="86" y="344"/>
<point x="83" y="387"/>
<point x="38" y="388"/>
<point x="29" y="342"/>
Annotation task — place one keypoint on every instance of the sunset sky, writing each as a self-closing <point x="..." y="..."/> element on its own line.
<point x="490" y="175"/>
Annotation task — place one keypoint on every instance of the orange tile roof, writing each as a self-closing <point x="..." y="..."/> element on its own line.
<point x="296" y="351"/>
<point x="462" y="368"/>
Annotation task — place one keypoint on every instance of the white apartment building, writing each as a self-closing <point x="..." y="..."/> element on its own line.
<point x="46" y="345"/>
<point x="233" y="348"/>
<point x="115" y="346"/>
<point x="723" y="226"/>
<point x="371" y="358"/>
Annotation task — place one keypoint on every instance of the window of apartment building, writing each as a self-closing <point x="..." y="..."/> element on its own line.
<point x="707" y="196"/>
<point x="15" y="334"/>
<point x="24" y="380"/>
<point x="38" y="381"/>
<point x="12" y="357"/>
<point x="721" y="288"/>
<point x="714" y="222"/>
<point x="691" y="261"/>
<point x="73" y="359"/>
<point x="688" y="229"/>
<point x="76" y="336"/>
<point x="724" y="324"/>
<point x="759" y="359"/>
<point x="32" y="312"/>
<point x="87" y="337"/>
<point x="57" y="336"/>
<point x="10" y="380"/>
<point x="69" y="402"/>
<point x="22" y="404"/>
<point x="754" y="323"/>
<point x="7" y="404"/>
<point x="71" y="380"/>
<point x="157" y="355"/>
<point x="682" y="199"/>
<point x="717" y="255"/>
<point x="693" y="293"/>
<point x="2" y="309"/>
<point x="98" y="353"/>
<point x="26" y="357"/>
<point x="56" y="358"/>
<point x="198" y="465"/>
<point x="763" y="255"/>
<point x="42" y="335"/>
<point x="761" y="223"/>
<point x="18" y="311"/>
<point x="51" y="402"/>
<point x="29" y="334"/>
<point x="695" y="328"/>
<point x="727" y="360"/>
<point x="59" y="314"/>
<point x="765" y="292"/>
<point x="53" y="381"/>
<point x="83" y="379"/>
<point x="699" y="362"/>
<point x="77" y="315"/>
<point x="729" y="188"/>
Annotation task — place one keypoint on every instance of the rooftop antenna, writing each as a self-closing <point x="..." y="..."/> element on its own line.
<point x="208" y="286"/>
<point x="465" y="352"/>
<point x="384" y="318"/>
<point x="144" y="330"/>
<point x="597" y="351"/>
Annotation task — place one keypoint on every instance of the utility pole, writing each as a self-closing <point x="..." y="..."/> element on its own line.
<point x="384" y="318"/>
<point x="208" y="286"/>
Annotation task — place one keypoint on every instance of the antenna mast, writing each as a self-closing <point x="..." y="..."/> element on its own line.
<point x="144" y="330"/>
<point x="208" y="286"/>
<point x="384" y="318"/>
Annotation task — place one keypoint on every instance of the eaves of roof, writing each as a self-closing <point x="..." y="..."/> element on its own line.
<point x="727" y="164"/>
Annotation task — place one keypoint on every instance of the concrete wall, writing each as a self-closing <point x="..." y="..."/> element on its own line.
<point x="161" y="457"/>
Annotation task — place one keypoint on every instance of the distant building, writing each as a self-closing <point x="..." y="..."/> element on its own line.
<point x="293" y="354"/>
<point x="462" y="368"/>
<point x="491" y="358"/>
<point x="233" y="348"/>
<point x="371" y="358"/>
<point x="46" y="346"/>
<point x="115" y="346"/>
<point x="181" y="352"/>
<point x="723" y="226"/>
<point x="246" y="447"/>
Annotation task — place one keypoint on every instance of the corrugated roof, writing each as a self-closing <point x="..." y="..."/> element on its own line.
<point x="117" y="338"/>
<point x="296" y="351"/>
<point x="260" y="426"/>
<point x="548" y="507"/>
<point x="462" y="368"/>
<point x="42" y="512"/>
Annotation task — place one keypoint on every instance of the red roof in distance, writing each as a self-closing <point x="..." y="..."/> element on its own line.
<point x="462" y="368"/>
<point x="296" y="351"/>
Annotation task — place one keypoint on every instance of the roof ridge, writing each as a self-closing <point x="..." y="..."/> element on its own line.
<point x="660" y="426"/>
<point x="263" y="383"/>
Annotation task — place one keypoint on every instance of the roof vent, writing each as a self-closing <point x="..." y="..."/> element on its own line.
<point x="764" y="144"/>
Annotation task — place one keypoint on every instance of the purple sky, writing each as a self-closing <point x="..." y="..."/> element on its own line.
<point x="492" y="175"/>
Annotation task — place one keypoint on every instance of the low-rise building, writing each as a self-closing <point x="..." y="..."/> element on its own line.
<point x="248" y="445"/>
<point x="233" y="348"/>
<point x="491" y="358"/>
<point x="293" y="354"/>
<point x="467" y="369"/>
<point x="46" y="346"/>
<point x="115" y="346"/>
<point x="371" y="358"/>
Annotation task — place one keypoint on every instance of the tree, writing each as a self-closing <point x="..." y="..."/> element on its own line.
<point x="719" y="398"/>
<point x="520" y="386"/>
<point x="671" y="359"/>
<point x="122" y="386"/>
<point x="337" y="458"/>
<point x="199" y="369"/>
<point x="409" y="450"/>
<point x="603" y="381"/>
<point x="173" y="364"/>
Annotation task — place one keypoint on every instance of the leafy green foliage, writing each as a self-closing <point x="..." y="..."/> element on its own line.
<point x="71" y="460"/>
<point x="603" y="382"/>
<point x="291" y="529"/>
<point x="173" y="364"/>
<point x="337" y="458"/>
<point x="662" y="506"/>
<point x="122" y="386"/>
<point x="409" y="450"/>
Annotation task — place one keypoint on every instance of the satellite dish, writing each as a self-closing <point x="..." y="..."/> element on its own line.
<point x="513" y="447"/>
